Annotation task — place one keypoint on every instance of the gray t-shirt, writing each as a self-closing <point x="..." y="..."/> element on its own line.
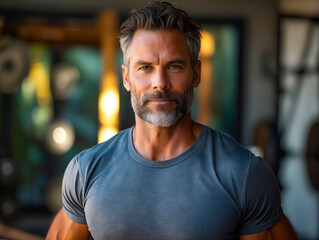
<point x="215" y="190"/>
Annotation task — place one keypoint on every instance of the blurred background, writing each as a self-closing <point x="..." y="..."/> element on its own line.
<point x="61" y="92"/>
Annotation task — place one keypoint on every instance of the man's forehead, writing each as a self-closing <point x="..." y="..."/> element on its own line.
<point x="149" y="44"/>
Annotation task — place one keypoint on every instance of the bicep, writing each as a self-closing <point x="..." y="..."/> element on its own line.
<point x="63" y="227"/>
<point x="281" y="231"/>
<point x="264" y="235"/>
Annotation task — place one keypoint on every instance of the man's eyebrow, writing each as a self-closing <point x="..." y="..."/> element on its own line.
<point x="177" y="60"/>
<point x="141" y="62"/>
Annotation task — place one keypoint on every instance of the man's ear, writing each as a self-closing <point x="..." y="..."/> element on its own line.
<point x="126" y="83"/>
<point x="197" y="73"/>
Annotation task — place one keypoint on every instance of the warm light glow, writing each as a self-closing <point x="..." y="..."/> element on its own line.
<point x="40" y="77"/>
<point x="207" y="45"/>
<point x="109" y="106"/>
<point x="109" y="98"/>
<point x="106" y="133"/>
<point x="59" y="135"/>
<point x="109" y="103"/>
<point x="205" y="89"/>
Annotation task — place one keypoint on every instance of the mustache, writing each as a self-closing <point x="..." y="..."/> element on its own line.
<point x="164" y="95"/>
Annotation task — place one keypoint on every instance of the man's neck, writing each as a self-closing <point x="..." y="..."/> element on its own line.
<point x="164" y="143"/>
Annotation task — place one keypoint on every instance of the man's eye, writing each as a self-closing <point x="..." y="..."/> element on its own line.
<point x="175" y="67"/>
<point x="145" y="68"/>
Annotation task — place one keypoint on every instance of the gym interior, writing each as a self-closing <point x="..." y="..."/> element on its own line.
<point x="61" y="92"/>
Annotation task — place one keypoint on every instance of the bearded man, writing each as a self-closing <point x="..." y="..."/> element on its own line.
<point x="167" y="177"/>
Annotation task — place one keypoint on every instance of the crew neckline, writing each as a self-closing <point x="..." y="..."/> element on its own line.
<point x="167" y="163"/>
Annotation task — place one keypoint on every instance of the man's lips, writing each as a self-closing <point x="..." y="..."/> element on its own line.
<point x="160" y="101"/>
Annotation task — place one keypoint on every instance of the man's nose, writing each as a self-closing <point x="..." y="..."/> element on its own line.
<point x="160" y="80"/>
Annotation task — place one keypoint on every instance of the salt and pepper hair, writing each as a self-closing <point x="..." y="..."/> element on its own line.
<point x="161" y="16"/>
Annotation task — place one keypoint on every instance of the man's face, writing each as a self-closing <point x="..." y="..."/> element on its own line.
<point x="160" y="76"/>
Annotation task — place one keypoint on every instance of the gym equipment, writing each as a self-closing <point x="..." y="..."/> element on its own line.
<point x="14" y="64"/>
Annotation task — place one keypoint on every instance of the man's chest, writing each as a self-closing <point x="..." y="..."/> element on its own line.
<point x="160" y="207"/>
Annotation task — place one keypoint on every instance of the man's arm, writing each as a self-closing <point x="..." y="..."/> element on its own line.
<point x="63" y="227"/>
<point x="281" y="231"/>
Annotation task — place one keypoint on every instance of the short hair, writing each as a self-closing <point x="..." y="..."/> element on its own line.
<point x="162" y="16"/>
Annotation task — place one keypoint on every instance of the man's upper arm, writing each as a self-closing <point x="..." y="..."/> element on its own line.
<point x="261" y="203"/>
<point x="73" y="224"/>
<point x="63" y="227"/>
<point x="73" y="192"/>
<point x="281" y="231"/>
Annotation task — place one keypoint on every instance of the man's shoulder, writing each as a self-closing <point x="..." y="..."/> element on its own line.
<point x="231" y="152"/>
<point x="226" y="147"/>
<point x="231" y="160"/>
<point x="237" y="167"/>
<point x="113" y="145"/>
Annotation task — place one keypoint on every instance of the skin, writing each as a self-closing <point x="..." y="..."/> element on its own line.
<point x="63" y="227"/>
<point x="158" y="61"/>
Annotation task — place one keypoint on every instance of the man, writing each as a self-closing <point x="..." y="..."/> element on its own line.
<point x="167" y="177"/>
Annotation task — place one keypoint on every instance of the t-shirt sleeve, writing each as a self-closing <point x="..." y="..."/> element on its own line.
<point x="72" y="192"/>
<point x="261" y="198"/>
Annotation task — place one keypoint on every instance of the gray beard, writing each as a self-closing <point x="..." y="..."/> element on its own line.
<point x="163" y="117"/>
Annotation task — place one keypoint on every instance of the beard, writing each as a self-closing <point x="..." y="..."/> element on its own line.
<point x="163" y="117"/>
